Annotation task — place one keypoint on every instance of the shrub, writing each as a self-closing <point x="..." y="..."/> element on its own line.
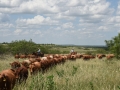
<point x="3" y="49"/>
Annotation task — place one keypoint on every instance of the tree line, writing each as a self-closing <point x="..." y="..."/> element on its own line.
<point x="25" y="47"/>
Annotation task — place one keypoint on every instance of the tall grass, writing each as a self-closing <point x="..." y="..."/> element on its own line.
<point x="73" y="75"/>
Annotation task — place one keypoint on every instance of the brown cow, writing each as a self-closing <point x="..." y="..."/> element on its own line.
<point x="45" y="64"/>
<point x="68" y="56"/>
<point x="32" y="56"/>
<point x="73" y="57"/>
<point x="110" y="56"/>
<point x="15" y="64"/>
<point x="26" y="62"/>
<point x="23" y="56"/>
<point x="34" y="67"/>
<point x="7" y="79"/>
<point x="86" y="57"/>
<point x="79" y="55"/>
<point x="17" y="56"/>
<point x="100" y="56"/>
<point x="21" y="71"/>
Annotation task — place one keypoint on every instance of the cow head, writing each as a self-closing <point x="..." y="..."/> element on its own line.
<point x="31" y="68"/>
<point x="15" y="64"/>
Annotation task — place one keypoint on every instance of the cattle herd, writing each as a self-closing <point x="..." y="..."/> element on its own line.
<point x="31" y="64"/>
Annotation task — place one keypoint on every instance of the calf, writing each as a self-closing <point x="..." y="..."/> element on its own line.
<point x="7" y="79"/>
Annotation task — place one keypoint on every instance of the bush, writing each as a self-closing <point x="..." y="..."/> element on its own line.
<point x="101" y="51"/>
<point x="2" y="49"/>
<point x="22" y="46"/>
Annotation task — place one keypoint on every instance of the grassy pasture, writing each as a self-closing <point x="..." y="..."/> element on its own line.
<point x="77" y="49"/>
<point x="73" y="75"/>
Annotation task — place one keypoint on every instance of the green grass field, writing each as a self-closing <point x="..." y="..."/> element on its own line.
<point x="73" y="75"/>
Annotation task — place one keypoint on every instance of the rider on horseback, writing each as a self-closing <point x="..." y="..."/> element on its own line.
<point x="39" y="51"/>
<point x="72" y="51"/>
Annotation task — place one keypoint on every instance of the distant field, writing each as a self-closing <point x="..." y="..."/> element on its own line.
<point x="73" y="75"/>
<point x="77" y="49"/>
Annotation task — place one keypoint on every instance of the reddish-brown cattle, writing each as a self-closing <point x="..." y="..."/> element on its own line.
<point x="23" y="56"/>
<point x="86" y="57"/>
<point x="79" y="55"/>
<point x="44" y="58"/>
<point x="38" y="59"/>
<point x="50" y="56"/>
<point x="34" y="67"/>
<point x="17" y="56"/>
<point x="68" y="56"/>
<point x="21" y="71"/>
<point x="63" y="58"/>
<point x="92" y="56"/>
<point x="45" y="64"/>
<point x="7" y="79"/>
<point x="73" y="57"/>
<point x="110" y="56"/>
<point x="15" y="64"/>
<point x="32" y="56"/>
<point x="100" y="56"/>
<point x="26" y="62"/>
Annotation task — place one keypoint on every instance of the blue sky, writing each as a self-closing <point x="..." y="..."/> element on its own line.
<point x="79" y="22"/>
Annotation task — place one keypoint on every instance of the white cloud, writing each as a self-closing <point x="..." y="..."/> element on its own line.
<point x="73" y="2"/>
<point x="38" y="6"/>
<point x="37" y="20"/>
<point x="62" y="21"/>
<point x="4" y="17"/>
<point x="6" y="25"/>
<point x="11" y="3"/>
<point x="103" y="28"/>
<point x="37" y="32"/>
<point x="118" y="9"/>
<point x="68" y="25"/>
<point x="100" y="8"/>
<point x="17" y="32"/>
<point x="62" y="16"/>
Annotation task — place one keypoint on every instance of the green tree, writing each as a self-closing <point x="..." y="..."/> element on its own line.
<point x="2" y="49"/>
<point x="22" y="46"/>
<point x="114" y="45"/>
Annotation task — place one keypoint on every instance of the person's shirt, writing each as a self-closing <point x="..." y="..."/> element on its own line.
<point x="72" y="50"/>
<point x="39" y="50"/>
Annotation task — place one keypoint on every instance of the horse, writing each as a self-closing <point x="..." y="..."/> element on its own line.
<point x="38" y="54"/>
<point x="73" y="53"/>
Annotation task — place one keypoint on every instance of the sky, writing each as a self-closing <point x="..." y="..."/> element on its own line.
<point x="78" y="22"/>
